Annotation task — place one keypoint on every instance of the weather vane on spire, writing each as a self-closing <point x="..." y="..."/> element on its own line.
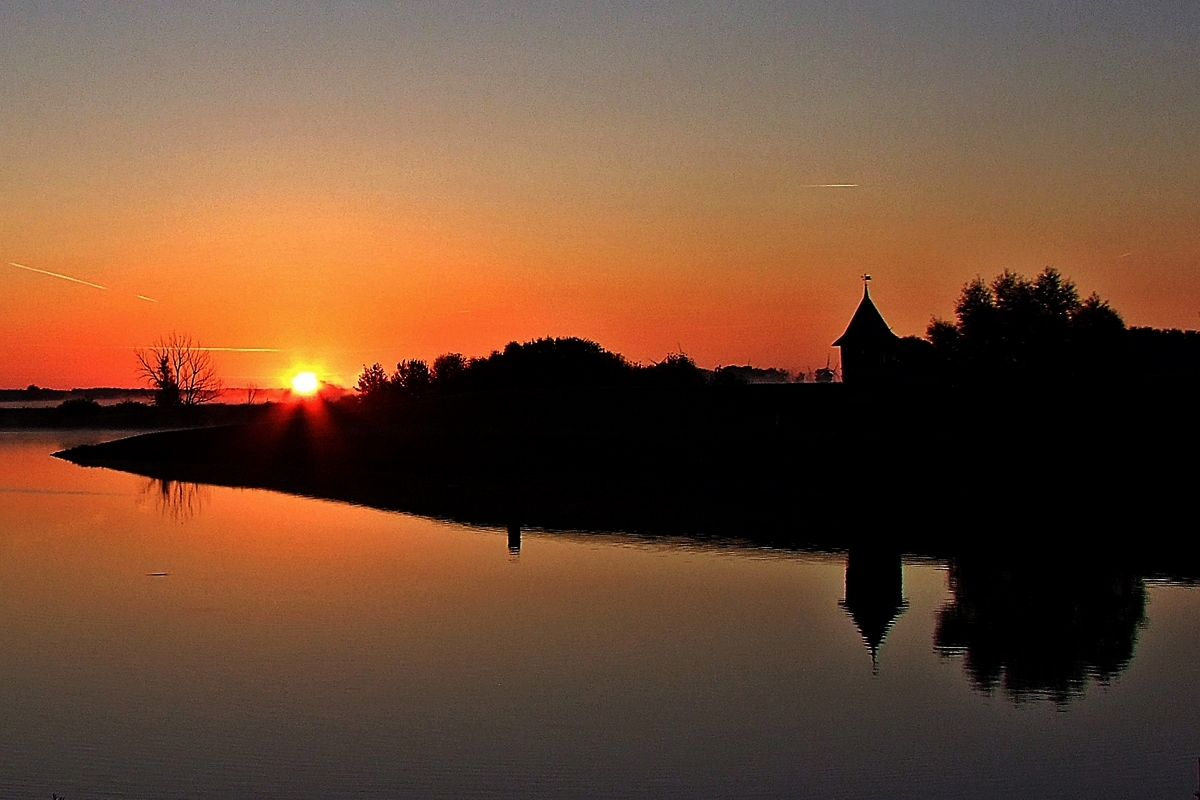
<point x="865" y="277"/>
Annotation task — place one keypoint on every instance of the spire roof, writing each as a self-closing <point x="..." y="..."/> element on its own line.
<point x="874" y="620"/>
<point x="867" y="326"/>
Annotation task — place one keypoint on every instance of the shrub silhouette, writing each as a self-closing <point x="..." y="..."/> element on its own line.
<point x="568" y="362"/>
<point x="78" y="407"/>
<point x="739" y="375"/>
<point x="677" y="369"/>
<point x="550" y="362"/>
<point x="1156" y="354"/>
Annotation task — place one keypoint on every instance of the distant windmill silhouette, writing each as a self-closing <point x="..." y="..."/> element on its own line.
<point x="826" y="374"/>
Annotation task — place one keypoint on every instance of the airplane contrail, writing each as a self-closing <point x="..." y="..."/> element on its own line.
<point x="57" y="275"/>
<point x="143" y="297"/>
<point x="243" y="349"/>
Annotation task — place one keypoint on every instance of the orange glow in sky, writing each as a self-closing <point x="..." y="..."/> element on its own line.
<point x="652" y="176"/>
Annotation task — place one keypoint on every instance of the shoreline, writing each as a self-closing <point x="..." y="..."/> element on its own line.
<point x="780" y="468"/>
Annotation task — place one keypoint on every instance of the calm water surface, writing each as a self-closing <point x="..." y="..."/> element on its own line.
<point x="298" y="648"/>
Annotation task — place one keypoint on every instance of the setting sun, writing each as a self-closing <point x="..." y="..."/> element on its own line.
<point x="305" y="383"/>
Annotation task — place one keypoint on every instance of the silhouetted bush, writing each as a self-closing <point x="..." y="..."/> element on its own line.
<point x="677" y="369"/>
<point x="550" y="362"/>
<point x="1154" y="353"/>
<point x="31" y="392"/>
<point x="542" y="363"/>
<point x="748" y="374"/>
<point x="917" y="361"/>
<point x="79" y="407"/>
<point x="726" y="376"/>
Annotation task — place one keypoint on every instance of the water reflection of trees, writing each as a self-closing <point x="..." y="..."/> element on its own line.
<point x="179" y="500"/>
<point x="1040" y="630"/>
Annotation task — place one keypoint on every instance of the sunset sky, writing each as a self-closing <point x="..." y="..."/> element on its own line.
<point x="345" y="183"/>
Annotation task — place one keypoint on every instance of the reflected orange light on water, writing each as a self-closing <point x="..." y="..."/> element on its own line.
<point x="155" y="629"/>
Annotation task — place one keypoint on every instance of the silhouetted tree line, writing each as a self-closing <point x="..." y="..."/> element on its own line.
<point x="1016" y="328"/>
<point x="36" y="393"/>
<point x="1011" y="329"/>
<point x="543" y="363"/>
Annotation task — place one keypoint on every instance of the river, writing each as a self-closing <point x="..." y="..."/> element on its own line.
<point x="186" y="641"/>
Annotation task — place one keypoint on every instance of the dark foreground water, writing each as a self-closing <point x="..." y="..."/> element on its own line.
<point x="182" y="641"/>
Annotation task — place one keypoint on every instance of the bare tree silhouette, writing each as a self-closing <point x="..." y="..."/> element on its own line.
<point x="180" y="371"/>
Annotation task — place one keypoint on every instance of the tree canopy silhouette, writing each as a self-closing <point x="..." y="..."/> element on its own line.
<point x="1016" y="327"/>
<point x="568" y="362"/>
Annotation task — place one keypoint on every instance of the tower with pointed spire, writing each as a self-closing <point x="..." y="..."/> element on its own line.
<point x="869" y="348"/>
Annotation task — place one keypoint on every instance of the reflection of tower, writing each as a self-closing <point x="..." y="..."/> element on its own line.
<point x="514" y="540"/>
<point x="874" y="595"/>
